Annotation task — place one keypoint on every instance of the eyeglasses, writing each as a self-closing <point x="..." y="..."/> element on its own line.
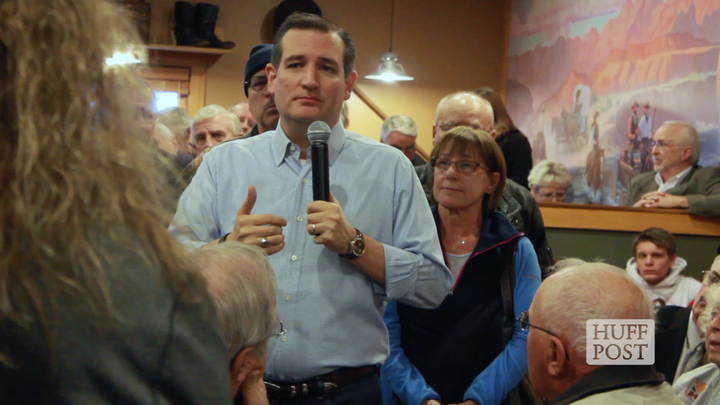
<point x="712" y="276"/>
<point x="462" y="166"/>
<point x="524" y="321"/>
<point x="450" y="125"/>
<point x="662" y="144"/>
<point x="560" y="195"/>
<point x="257" y="83"/>
<point x="278" y="330"/>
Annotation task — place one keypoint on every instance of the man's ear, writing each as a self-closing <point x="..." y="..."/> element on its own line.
<point x="493" y="133"/>
<point x="241" y="365"/>
<point x="434" y="134"/>
<point x="349" y="83"/>
<point x="271" y="74"/>
<point x="687" y="153"/>
<point x="557" y="360"/>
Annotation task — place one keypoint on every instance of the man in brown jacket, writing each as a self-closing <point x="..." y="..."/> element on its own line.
<point x="677" y="182"/>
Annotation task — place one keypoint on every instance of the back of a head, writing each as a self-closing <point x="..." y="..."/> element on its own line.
<point x="242" y="286"/>
<point x="80" y="183"/>
<point x="213" y="110"/>
<point x="569" y="298"/>
<point x="547" y="172"/>
<point x="398" y="123"/>
<point x="175" y="118"/>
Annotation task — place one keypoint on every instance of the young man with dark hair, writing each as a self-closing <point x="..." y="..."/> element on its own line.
<point x="656" y="267"/>
<point x="337" y="262"/>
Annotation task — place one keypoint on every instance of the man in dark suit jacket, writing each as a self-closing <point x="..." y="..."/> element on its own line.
<point x="676" y="337"/>
<point x="677" y="181"/>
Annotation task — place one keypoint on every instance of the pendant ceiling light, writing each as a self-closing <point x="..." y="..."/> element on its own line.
<point x="390" y="70"/>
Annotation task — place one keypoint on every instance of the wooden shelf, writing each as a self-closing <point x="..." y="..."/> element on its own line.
<point x="606" y="218"/>
<point x="188" y="49"/>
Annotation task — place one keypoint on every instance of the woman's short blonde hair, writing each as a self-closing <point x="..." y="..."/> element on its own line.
<point x="548" y="172"/>
<point x="484" y="147"/>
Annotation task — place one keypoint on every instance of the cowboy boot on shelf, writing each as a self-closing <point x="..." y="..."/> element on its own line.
<point x="206" y="17"/>
<point x="185" y="33"/>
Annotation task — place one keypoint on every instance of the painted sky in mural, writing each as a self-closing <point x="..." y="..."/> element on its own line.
<point x="590" y="80"/>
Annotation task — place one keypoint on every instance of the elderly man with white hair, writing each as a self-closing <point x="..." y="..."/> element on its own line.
<point x="213" y="125"/>
<point x="177" y="120"/>
<point x="678" y="181"/>
<point x="400" y="132"/>
<point x="556" y="342"/>
<point x="242" y="286"/>
<point x="165" y="139"/>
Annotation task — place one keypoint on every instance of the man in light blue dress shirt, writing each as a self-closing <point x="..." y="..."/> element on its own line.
<point x="337" y="262"/>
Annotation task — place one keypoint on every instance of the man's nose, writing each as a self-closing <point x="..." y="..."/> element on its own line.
<point x="310" y="77"/>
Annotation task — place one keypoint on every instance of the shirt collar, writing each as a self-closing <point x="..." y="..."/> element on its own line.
<point x="676" y="178"/>
<point x="281" y="143"/>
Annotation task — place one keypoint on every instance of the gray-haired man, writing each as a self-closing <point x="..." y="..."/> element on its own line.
<point x="242" y="286"/>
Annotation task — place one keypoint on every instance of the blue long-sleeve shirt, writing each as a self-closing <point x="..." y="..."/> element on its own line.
<point x="492" y="385"/>
<point x="332" y="312"/>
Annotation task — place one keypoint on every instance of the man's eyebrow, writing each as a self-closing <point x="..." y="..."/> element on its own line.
<point x="329" y="61"/>
<point x="295" y="58"/>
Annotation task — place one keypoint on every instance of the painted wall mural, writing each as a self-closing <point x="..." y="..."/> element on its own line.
<point x="589" y="81"/>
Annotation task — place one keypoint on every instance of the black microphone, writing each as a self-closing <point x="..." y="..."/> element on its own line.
<point x="318" y="134"/>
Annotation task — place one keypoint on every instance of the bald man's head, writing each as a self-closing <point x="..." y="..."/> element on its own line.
<point x="559" y="313"/>
<point x="462" y="108"/>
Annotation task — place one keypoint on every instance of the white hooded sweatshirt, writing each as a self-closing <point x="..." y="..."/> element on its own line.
<point x="674" y="290"/>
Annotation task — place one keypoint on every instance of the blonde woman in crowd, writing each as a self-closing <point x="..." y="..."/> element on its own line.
<point x="98" y="303"/>
<point x="549" y="181"/>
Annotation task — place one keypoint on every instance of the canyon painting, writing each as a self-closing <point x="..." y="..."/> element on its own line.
<point x="589" y="81"/>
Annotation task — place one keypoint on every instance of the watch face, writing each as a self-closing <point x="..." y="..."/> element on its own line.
<point x="358" y="247"/>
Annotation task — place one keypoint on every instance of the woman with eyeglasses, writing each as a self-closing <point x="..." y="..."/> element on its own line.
<point x="469" y="349"/>
<point x="701" y="384"/>
<point x="549" y="182"/>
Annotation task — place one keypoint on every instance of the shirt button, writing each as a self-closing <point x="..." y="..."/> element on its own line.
<point x="284" y="338"/>
<point x="288" y="297"/>
<point x="293" y="257"/>
<point x="299" y="218"/>
<point x="292" y="147"/>
<point x="305" y="181"/>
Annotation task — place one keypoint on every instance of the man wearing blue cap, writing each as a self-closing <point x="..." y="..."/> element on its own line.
<point x="260" y="98"/>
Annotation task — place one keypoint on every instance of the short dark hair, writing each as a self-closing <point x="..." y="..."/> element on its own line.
<point x="305" y="21"/>
<point x="659" y="237"/>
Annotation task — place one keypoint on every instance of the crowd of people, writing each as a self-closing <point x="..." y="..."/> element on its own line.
<point x="158" y="258"/>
